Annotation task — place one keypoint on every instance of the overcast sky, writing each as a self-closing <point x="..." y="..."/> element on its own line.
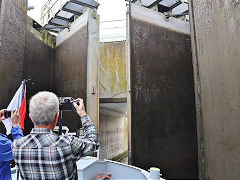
<point x="108" y="9"/>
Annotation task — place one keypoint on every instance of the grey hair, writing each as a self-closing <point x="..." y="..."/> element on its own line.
<point x="43" y="108"/>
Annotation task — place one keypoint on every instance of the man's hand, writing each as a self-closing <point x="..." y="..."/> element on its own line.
<point x="80" y="109"/>
<point x="15" y="118"/>
<point x="2" y="115"/>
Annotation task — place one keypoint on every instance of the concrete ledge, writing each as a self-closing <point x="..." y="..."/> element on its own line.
<point x="74" y="27"/>
<point x="43" y="35"/>
<point x="159" y="19"/>
<point x="120" y="156"/>
<point x="112" y="100"/>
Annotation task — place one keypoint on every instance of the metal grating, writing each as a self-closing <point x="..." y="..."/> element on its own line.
<point x="147" y="3"/>
<point x="168" y="3"/>
<point x="57" y="14"/>
<point x="171" y="8"/>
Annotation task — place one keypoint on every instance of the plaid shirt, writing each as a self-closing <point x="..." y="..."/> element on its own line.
<point x="44" y="155"/>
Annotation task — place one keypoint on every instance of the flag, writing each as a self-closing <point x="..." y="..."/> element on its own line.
<point x="18" y="102"/>
<point x="22" y="110"/>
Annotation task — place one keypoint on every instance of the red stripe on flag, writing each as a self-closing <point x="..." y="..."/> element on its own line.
<point x="22" y="112"/>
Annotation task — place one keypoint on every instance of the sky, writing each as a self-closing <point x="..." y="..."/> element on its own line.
<point x="112" y="10"/>
<point x="36" y="12"/>
<point x="108" y="9"/>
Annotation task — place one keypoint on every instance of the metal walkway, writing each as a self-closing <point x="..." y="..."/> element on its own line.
<point x="172" y="8"/>
<point x="58" y="14"/>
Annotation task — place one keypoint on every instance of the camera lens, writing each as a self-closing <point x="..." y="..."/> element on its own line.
<point x="66" y="100"/>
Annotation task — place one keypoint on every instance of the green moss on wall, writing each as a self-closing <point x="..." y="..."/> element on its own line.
<point x="120" y="156"/>
<point x="43" y="35"/>
<point x="113" y="67"/>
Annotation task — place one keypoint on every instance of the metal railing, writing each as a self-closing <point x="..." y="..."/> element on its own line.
<point x="50" y="8"/>
<point x="114" y="30"/>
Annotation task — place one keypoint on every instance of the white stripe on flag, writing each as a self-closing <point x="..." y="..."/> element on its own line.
<point x="14" y="104"/>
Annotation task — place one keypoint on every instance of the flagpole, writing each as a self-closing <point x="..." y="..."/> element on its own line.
<point x="23" y="93"/>
<point x="23" y="83"/>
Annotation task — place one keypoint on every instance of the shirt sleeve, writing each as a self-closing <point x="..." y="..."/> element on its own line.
<point x="5" y="144"/>
<point x="5" y="150"/>
<point x="84" y="146"/>
<point x="16" y="133"/>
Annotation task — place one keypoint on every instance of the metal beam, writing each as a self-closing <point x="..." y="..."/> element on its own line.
<point x="52" y="31"/>
<point x="71" y="11"/>
<point x="84" y="4"/>
<point x="62" y="18"/>
<point x="48" y="29"/>
<point x="112" y="100"/>
<point x="177" y="15"/>
<point x="175" y="5"/>
<point x="55" y="24"/>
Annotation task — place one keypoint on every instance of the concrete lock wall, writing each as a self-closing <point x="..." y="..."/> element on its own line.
<point x="22" y="4"/>
<point x="215" y="43"/>
<point x="12" y="38"/>
<point x="112" y="84"/>
<point x="76" y="69"/>
<point x="71" y="72"/>
<point x="22" y="56"/>
<point x="163" y="124"/>
<point x="39" y="61"/>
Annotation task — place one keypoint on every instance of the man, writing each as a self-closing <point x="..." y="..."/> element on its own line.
<point x="5" y="145"/>
<point x="44" y="155"/>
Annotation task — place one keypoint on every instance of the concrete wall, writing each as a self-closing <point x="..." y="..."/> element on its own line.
<point x="215" y="44"/>
<point x="112" y="132"/>
<point x="112" y="84"/>
<point x="163" y="124"/>
<point x="43" y="35"/>
<point x="77" y="66"/>
<point x="22" y="55"/>
<point x="71" y="71"/>
<point x="112" y="70"/>
<point x="13" y="24"/>
<point x="39" y="65"/>
<point x="22" y="4"/>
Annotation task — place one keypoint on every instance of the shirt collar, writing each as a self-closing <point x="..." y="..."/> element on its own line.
<point x="41" y="131"/>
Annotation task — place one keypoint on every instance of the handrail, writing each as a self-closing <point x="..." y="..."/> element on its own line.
<point x="49" y="8"/>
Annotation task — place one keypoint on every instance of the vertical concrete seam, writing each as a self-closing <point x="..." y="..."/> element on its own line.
<point x="201" y="160"/>
<point x="130" y="88"/>
<point x="93" y="55"/>
<point x="86" y="103"/>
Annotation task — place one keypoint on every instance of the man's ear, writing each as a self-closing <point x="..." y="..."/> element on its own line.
<point x="30" y="118"/>
<point x="56" y="118"/>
